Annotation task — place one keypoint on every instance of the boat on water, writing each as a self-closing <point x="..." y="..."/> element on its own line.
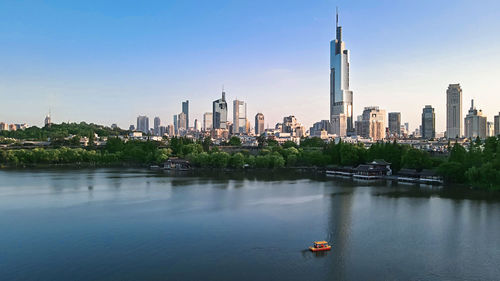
<point x="320" y="246"/>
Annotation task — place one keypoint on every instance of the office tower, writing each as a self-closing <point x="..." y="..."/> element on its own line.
<point x="182" y="123"/>
<point x="428" y="123"/>
<point x="239" y="117"/>
<point x="219" y="110"/>
<point x="207" y="121"/>
<point x="170" y="130"/>
<point x="185" y="110"/>
<point x="176" y="126"/>
<point x="291" y="126"/>
<point x="143" y="124"/>
<point x="157" y="124"/>
<point x="197" y="125"/>
<point x="4" y="126"/>
<point x="475" y="123"/>
<point x="131" y="128"/>
<point x="318" y="127"/>
<point x="259" y="124"/>
<point x="454" y="111"/>
<point x="248" y="126"/>
<point x="395" y="123"/>
<point x="497" y="124"/>
<point x="372" y="124"/>
<point x="48" y="120"/>
<point x="341" y="111"/>
<point x="490" y="129"/>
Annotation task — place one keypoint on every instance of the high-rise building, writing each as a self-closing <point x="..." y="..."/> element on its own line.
<point x="454" y="111"/>
<point x="291" y="126"/>
<point x="239" y="117"/>
<point x="475" y="123"/>
<point x="182" y="123"/>
<point x="317" y="129"/>
<point x="219" y="111"/>
<point x="4" y="126"/>
<point x="143" y="124"/>
<point x="156" y="128"/>
<point x="497" y="124"/>
<point x="197" y="125"/>
<point x="341" y="98"/>
<point x="170" y="130"/>
<point x="163" y="130"/>
<point x="176" y="125"/>
<point x="372" y="124"/>
<point x="207" y="121"/>
<point x="395" y="124"/>
<point x="185" y="110"/>
<point x="48" y="120"/>
<point x="428" y="123"/>
<point x="259" y="124"/>
<point x="490" y="129"/>
<point x="131" y="128"/>
<point x="12" y="127"/>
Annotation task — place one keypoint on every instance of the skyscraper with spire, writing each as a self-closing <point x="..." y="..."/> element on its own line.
<point x="341" y="113"/>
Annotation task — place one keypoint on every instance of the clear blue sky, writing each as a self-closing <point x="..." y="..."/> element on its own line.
<point x="109" y="61"/>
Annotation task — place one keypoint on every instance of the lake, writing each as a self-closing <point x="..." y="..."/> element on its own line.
<point x="134" y="224"/>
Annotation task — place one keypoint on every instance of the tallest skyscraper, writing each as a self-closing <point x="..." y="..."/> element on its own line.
<point x="341" y="115"/>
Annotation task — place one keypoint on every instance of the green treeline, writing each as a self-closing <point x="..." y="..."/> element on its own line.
<point x="478" y="165"/>
<point x="115" y="152"/>
<point x="58" y="132"/>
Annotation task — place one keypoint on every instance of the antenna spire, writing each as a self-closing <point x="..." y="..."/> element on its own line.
<point x="337" y="22"/>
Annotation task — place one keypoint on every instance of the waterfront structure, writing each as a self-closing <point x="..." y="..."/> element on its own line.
<point x="156" y="128"/>
<point x="207" y="121"/>
<point x="239" y="117"/>
<point x="259" y="124"/>
<point x="454" y="111"/>
<point x="219" y="113"/>
<point x="185" y="110"/>
<point x="428" y="130"/>
<point x="475" y="123"/>
<point x="341" y="98"/>
<point x="143" y="124"/>
<point x="176" y="125"/>
<point x="372" y="123"/>
<point x="497" y="124"/>
<point x="395" y="124"/>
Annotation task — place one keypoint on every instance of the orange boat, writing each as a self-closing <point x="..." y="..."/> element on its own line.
<point x="320" y="246"/>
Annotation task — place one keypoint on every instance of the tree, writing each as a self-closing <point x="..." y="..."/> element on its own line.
<point x="237" y="161"/>
<point x="235" y="141"/>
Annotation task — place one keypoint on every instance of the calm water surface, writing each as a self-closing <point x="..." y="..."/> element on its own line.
<point x="110" y="224"/>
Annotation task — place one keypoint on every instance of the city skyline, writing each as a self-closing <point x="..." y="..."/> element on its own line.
<point x="67" y="81"/>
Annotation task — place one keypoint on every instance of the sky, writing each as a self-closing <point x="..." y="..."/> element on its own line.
<point x="109" y="61"/>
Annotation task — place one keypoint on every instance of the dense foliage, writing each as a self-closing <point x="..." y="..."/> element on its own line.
<point x="115" y="152"/>
<point x="61" y="131"/>
<point x="479" y="165"/>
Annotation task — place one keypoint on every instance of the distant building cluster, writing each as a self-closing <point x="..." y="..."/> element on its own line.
<point x="374" y="124"/>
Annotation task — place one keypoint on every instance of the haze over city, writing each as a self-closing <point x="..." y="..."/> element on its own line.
<point x="107" y="63"/>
